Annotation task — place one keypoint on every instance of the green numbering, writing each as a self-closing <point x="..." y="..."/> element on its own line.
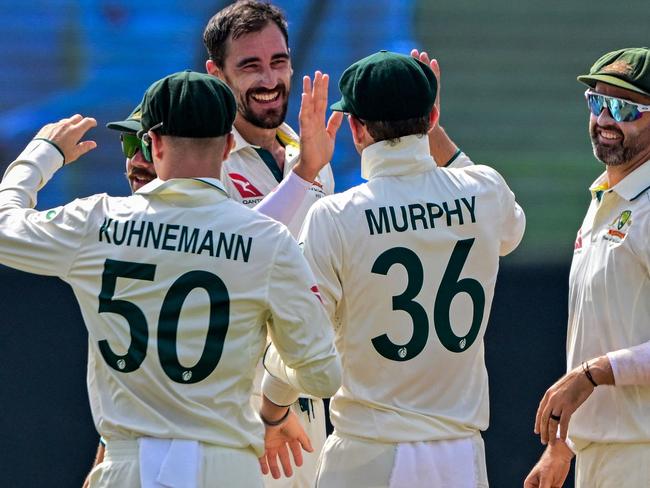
<point x="450" y="286"/>
<point x="168" y="323"/>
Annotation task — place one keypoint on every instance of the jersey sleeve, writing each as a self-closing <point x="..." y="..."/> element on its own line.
<point x="37" y="242"/>
<point x="283" y="202"/>
<point x="323" y="250"/>
<point x="302" y="354"/>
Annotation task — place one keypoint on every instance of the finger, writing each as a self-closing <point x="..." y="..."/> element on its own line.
<point x="305" y="442"/>
<point x="264" y="466"/>
<point x="273" y="464"/>
<point x="306" y="102"/>
<point x="320" y="97"/>
<point x="538" y="415"/>
<point x="415" y="53"/>
<point x="424" y="57"/>
<point x="334" y="123"/>
<point x="435" y="67"/>
<point x="285" y="460"/>
<point x="552" y="427"/>
<point x="84" y="124"/>
<point x="564" y="424"/>
<point x="296" y="451"/>
<point x="80" y="149"/>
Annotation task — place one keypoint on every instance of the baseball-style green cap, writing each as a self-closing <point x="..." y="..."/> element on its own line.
<point x="189" y="104"/>
<point x="131" y="124"/>
<point x="627" y="68"/>
<point x="387" y="86"/>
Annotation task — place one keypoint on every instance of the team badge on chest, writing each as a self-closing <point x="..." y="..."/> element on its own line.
<point x="618" y="229"/>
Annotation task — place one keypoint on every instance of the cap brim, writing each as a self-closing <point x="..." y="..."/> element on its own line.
<point x="591" y="80"/>
<point x="339" y="106"/>
<point x="125" y="126"/>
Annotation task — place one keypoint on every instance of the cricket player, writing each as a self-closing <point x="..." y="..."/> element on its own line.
<point x="600" y="409"/>
<point x="174" y="331"/>
<point x="406" y="266"/>
<point x="247" y="47"/>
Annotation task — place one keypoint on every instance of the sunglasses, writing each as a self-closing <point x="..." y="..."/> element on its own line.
<point x="130" y="144"/>
<point x="620" y="109"/>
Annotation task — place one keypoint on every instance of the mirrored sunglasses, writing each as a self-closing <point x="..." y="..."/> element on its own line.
<point x="620" y="109"/>
<point x="130" y="144"/>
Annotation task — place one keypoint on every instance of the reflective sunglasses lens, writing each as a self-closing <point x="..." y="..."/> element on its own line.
<point x="130" y="144"/>
<point x="622" y="111"/>
<point x="596" y="104"/>
<point x="145" y="144"/>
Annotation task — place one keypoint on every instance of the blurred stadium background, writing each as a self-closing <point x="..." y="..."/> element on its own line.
<point x="509" y="99"/>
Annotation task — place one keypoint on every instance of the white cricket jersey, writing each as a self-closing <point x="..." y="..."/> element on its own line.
<point x="406" y="265"/>
<point x="250" y="173"/>
<point x="609" y="304"/>
<point x="176" y="285"/>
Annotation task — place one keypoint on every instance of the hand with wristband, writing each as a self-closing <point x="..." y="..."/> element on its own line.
<point x="283" y="432"/>
<point x="564" y="397"/>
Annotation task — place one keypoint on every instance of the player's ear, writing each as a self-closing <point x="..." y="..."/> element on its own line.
<point x="157" y="144"/>
<point x="214" y="70"/>
<point x="229" y="146"/>
<point x="434" y="116"/>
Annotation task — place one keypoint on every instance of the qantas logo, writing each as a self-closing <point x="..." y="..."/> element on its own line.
<point x="244" y="187"/>
<point x="315" y="291"/>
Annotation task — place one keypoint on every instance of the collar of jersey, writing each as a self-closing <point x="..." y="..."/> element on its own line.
<point x="630" y="188"/>
<point x="284" y="133"/>
<point x="182" y="186"/>
<point x="409" y="156"/>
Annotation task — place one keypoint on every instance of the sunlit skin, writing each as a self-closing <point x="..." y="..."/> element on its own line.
<point x="139" y="172"/>
<point x="257" y="67"/>
<point x="621" y="146"/>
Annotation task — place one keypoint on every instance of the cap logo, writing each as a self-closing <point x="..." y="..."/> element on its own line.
<point x="618" y="67"/>
<point x="137" y="115"/>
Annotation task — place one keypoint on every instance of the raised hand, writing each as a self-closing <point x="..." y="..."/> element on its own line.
<point x="66" y="134"/>
<point x="316" y="139"/>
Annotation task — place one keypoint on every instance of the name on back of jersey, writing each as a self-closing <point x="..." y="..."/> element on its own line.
<point x="424" y="216"/>
<point x="175" y="237"/>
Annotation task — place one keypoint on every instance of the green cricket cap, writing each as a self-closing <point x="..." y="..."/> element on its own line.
<point x="627" y="68"/>
<point x="189" y="104"/>
<point x="130" y="124"/>
<point x="387" y="86"/>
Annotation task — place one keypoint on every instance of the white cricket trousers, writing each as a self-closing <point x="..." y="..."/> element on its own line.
<point x="351" y="462"/>
<point x="616" y="465"/>
<point x="221" y="467"/>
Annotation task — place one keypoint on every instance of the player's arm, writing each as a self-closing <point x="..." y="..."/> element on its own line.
<point x="99" y="458"/>
<point x="302" y="356"/>
<point x="552" y="468"/>
<point x="316" y="148"/>
<point x="443" y="149"/>
<point x="29" y="239"/>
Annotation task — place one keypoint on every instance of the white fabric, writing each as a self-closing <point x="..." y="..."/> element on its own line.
<point x="440" y="463"/>
<point x="159" y="269"/>
<point x="169" y="463"/>
<point x="609" y="308"/>
<point x="283" y="202"/>
<point x="379" y="252"/>
<point x="248" y="180"/>
<point x="631" y="366"/>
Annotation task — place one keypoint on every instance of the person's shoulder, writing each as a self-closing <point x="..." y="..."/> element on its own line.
<point x="480" y="173"/>
<point x="345" y="200"/>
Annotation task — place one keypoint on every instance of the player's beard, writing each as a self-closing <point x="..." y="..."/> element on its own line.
<point x="616" y="154"/>
<point x="268" y="118"/>
<point x="139" y="177"/>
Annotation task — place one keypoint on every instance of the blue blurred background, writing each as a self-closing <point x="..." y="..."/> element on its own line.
<point x="509" y="99"/>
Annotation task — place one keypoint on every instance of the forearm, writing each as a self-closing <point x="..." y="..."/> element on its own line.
<point x="283" y="385"/>
<point x="283" y="203"/>
<point x="441" y="147"/>
<point x="628" y="366"/>
<point x="28" y="174"/>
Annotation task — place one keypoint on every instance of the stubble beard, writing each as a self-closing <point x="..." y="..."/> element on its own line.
<point x="614" y="155"/>
<point x="270" y="118"/>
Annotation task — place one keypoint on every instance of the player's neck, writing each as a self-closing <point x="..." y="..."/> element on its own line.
<point x="264" y="138"/>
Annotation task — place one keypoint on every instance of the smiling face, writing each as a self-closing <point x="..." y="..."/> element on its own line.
<point x="620" y="143"/>
<point x="257" y="67"/>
